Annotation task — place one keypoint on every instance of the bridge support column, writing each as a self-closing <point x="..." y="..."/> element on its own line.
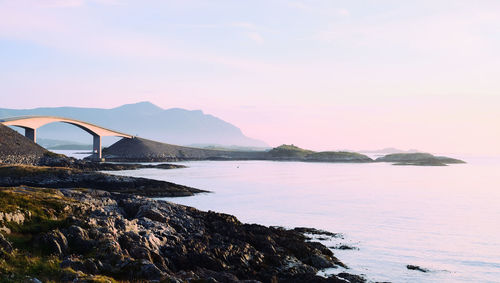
<point x="97" y="148"/>
<point x="30" y="134"/>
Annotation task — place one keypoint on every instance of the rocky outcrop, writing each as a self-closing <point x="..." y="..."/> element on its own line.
<point x="337" y="156"/>
<point x="416" y="268"/>
<point x="418" y="159"/>
<point x="61" y="177"/>
<point x="133" y="238"/>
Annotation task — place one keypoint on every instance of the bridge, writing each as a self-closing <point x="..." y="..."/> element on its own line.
<point x="31" y="123"/>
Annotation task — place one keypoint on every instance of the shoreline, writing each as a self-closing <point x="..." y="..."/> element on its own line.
<point x="128" y="237"/>
<point x="131" y="237"/>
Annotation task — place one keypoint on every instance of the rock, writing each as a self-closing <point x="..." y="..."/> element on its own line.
<point x="417" y="268"/>
<point x="344" y="247"/>
<point x="351" y="277"/>
<point x="16" y="217"/>
<point x="133" y="238"/>
<point x="78" y="239"/>
<point x="59" y="177"/>
<point x="5" y="245"/>
<point x="313" y="231"/>
<point x="77" y="264"/>
<point x="54" y="242"/>
<point x="320" y="261"/>
<point x="152" y="213"/>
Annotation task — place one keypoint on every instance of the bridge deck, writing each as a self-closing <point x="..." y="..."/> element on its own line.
<point x="34" y="122"/>
<point x="31" y="123"/>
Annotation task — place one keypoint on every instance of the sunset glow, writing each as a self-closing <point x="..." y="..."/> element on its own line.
<point x="321" y="74"/>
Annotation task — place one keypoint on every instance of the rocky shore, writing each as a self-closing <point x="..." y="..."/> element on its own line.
<point x="96" y="236"/>
<point x="66" y="177"/>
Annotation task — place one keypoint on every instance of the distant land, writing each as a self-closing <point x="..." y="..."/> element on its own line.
<point x="142" y="150"/>
<point x="63" y="144"/>
<point x="144" y="119"/>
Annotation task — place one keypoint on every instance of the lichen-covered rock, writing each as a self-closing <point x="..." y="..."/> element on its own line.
<point x="132" y="238"/>
<point x="135" y="238"/>
<point x="54" y="242"/>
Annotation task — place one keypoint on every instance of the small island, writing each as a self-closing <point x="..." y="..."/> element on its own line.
<point x="418" y="159"/>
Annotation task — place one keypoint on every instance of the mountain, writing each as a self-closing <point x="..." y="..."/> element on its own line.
<point x="144" y="119"/>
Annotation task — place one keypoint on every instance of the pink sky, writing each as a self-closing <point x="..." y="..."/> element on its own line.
<point x="320" y="74"/>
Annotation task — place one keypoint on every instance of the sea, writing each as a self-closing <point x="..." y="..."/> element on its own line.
<point x="445" y="220"/>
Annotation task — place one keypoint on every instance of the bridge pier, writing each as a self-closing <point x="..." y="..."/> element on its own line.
<point x="97" y="152"/>
<point x="30" y="134"/>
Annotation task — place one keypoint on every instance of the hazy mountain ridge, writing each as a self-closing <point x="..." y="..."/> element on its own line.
<point x="144" y="119"/>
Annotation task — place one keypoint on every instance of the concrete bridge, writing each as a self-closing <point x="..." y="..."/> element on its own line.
<point x="31" y="123"/>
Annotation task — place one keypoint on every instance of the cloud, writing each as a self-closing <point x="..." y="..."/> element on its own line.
<point x="299" y="5"/>
<point x="63" y="3"/>
<point x="74" y="33"/>
<point x="77" y="3"/>
<point x="344" y="12"/>
<point x="244" y="25"/>
<point x="444" y="34"/>
<point x="255" y="36"/>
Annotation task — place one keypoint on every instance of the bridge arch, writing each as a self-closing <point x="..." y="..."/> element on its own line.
<point x="31" y="123"/>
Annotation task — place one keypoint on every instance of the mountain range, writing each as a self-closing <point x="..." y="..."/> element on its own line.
<point x="143" y="119"/>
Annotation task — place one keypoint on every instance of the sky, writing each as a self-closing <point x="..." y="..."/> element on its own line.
<point x="321" y="74"/>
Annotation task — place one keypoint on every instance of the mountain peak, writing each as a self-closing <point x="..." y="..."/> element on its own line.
<point x="140" y="106"/>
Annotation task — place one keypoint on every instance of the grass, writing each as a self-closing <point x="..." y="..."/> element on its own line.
<point x="19" y="266"/>
<point x="44" y="211"/>
<point x="291" y="150"/>
<point x="41" y="203"/>
<point x="49" y="211"/>
<point x="18" y="171"/>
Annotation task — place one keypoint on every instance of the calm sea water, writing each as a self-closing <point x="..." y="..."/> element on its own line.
<point x="445" y="219"/>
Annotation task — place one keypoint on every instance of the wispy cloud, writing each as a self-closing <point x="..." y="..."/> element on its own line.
<point x="321" y="7"/>
<point x="256" y="37"/>
<point x="244" y="25"/>
<point x="76" y="3"/>
<point x="344" y="12"/>
<point x="452" y="33"/>
<point x="73" y="34"/>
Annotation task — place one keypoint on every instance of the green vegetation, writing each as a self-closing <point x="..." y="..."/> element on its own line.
<point x="17" y="171"/>
<point x="19" y="265"/>
<point x="44" y="210"/>
<point x="292" y="152"/>
<point x="41" y="203"/>
<point x="289" y="151"/>
<point x="343" y="155"/>
<point x="418" y="159"/>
